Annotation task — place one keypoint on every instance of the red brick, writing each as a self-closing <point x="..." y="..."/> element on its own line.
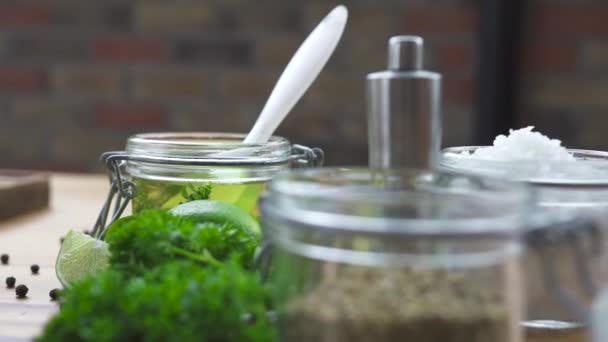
<point x="44" y="165"/>
<point x="86" y="15"/>
<point x="459" y="91"/>
<point x="459" y="124"/>
<point x="228" y="51"/>
<point x="363" y="54"/>
<point x="370" y="19"/>
<point x="439" y="19"/>
<point x="455" y="56"/>
<point x="243" y="84"/>
<point x="131" y="49"/>
<point x="26" y="15"/>
<point x="87" y="81"/>
<point x="550" y="58"/>
<point x="276" y="50"/>
<point x="33" y="47"/>
<point x="552" y="19"/>
<point x="263" y="16"/>
<point x="156" y="83"/>
<point x="61" y="147"/>
<point x="237" y="116"/>
<point x="334" y="88"/>
<point x="596" y="55"/>
<point x="572" y="93"/>
<point x="19" y="79"/>
<point x="173" y="16"/>
<point x="130" y="116"/>
<point x="317" y="124"/>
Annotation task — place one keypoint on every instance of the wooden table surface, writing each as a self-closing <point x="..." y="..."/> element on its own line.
<point x="34" y="239"/>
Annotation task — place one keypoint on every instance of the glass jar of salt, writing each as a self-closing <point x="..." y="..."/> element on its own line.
<point x="564" y="265"/>
<point x="388" y="255"/>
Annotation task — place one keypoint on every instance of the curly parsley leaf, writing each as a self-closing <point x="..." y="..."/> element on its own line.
<point x="154" y="237"/>
<point x="178" y="301"/>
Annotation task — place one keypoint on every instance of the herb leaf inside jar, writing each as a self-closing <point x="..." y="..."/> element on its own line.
<point x="195" y="192"/>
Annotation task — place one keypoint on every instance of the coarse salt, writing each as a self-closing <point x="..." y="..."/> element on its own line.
<point x="523" y="144"/>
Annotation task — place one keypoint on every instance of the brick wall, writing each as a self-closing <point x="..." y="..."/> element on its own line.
<point x="565" y="90"/>
<point x="78" y="77"/>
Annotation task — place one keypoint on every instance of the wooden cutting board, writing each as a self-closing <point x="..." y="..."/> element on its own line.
<point x="22" y="192"/>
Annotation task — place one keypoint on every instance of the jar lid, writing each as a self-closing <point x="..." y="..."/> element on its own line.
<point x="372" y="217"/>
<point x="194" y="147"/>
<point x="397" y="201"/>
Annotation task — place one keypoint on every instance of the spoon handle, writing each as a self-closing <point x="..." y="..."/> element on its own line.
<point x="299" y="74"/>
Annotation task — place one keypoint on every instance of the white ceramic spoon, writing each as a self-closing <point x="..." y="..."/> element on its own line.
<point x="301" y="71"/>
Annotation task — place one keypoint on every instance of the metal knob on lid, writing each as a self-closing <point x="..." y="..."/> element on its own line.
<point x="404" y="109"/>
<point x="405" y="53"/>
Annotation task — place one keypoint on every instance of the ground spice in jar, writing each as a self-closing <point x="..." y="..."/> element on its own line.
<point x="377" y="305"/>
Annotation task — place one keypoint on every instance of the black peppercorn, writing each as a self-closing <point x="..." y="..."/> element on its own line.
<point x="4" y="259"/>
<point x="35" y="268"/>
<point x="54" y="294"/>
<point x="21" y="291"/>
<point x="10" y="282"/>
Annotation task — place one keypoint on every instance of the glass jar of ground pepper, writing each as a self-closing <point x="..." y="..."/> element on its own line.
<point x="370" y="255"/>
<point x="160" y="170"/>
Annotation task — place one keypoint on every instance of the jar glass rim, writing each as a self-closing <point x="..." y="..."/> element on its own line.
<point x="325" y="198"/>
<point x="206" y="145"/>
<point x="589" y="169"/>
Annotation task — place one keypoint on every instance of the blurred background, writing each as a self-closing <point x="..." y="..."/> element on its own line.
<point x="78" y="77"/>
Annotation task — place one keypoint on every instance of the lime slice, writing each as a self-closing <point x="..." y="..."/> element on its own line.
<point x="79" y="256"/>
<point x="217" y="212"/>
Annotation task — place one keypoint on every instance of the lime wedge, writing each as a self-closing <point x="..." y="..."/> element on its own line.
<point x="79" y="256"/>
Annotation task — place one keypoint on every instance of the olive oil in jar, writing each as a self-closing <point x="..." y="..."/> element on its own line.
<point x="153" y="194"/>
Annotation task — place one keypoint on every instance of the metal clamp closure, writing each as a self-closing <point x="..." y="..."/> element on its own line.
<point x="303" y="156"/>
<point x="120" y="194"/>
